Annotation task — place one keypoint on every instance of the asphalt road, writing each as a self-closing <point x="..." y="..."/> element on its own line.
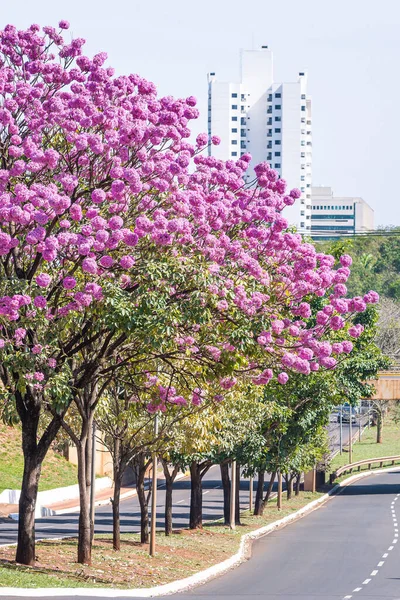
<point x="346" y="549"/>
<point x="65" y="525"/>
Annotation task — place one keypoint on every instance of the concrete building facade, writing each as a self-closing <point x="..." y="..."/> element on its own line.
<point x="334" y="216"/>
<point x="270" y="120"/>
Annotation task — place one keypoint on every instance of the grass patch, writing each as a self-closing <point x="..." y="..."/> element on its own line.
<point x="56" y="471"/>
<point x="177" y="556"/>
<point x="368" y="448"/>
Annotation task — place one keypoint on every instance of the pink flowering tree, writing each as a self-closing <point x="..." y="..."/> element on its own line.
<point x="121" y="242"/>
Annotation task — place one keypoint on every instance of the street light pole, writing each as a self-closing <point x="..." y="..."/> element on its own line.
<point x="341" y="429"/>
<point x="359" y="423"/>
<point x="350" y="435"/>
<point x="154" y="496"/>
<point x="232" y="523"/>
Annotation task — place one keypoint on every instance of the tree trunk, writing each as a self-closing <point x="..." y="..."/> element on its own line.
<point x="258" y="505"/>
<point x="269" y="490"/>
<point x="196" y="497"/>
<point x="84" y="467"/>
<point x="297" y="486"/>
<point x="169" y="482"/>
<point x="379" y="429"/>
<point x="226" y="486"/>
<point x="143" y="499"/>
<point x="34" y="451"/>
<point x="289" y="487"/>
<point x="115" y="509"/>
<point x="237" y="496"/>
<point x="27" y="504"/>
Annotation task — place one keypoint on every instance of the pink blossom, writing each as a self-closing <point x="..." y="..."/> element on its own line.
<point x="43" y="280"/>
<point x="40" y="302"/>
<point x="283" y="378"/>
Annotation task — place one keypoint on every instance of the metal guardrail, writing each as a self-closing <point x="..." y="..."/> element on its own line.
<point x="357" y="465"/>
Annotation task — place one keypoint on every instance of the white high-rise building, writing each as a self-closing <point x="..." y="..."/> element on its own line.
<point x="270" y="120"/>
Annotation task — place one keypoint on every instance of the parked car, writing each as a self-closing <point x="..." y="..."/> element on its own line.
<point x="346" y="416"/>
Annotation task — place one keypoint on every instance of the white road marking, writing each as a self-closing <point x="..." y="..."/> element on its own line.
<point x="357" y="589"/>
<point x="374" y="573"/>
<point x="180" y="501"/>
<point x="385" y="555"/>
<point x="390" y="548"/>
<point x="206" y="492"/>
<point x="347" y="597"/>
<point x="380" y="564"/>
<point x="366" y="581"/>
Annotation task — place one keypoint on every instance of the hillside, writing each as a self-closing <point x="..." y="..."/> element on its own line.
<point x="56" y="471"/>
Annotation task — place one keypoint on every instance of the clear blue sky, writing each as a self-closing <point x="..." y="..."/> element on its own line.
<point x="350" y="48"/>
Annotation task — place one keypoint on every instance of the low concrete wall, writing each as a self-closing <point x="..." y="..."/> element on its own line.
<point x="49" y="497"/>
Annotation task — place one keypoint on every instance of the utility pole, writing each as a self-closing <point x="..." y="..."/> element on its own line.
<point x="232" y="523"/>
<point x="93" y="479"/>
<point x="279" y="503"/>
<point x="359" y="424"/>
<point x="341" y="429"/>
<point x="251" y="493"/>
<point x="154" y="496"/>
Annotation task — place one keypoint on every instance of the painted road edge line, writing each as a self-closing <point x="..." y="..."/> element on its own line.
<point x="201" y="577"/>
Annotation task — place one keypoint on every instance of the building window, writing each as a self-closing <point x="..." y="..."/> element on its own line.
<point x="303" y="96"/>
<point x="303" y="108"/>
<point x="302" y="178"/>
<point x="234" y="106"/>
<point x="301" y="224"/>
<point x="278" y="106"/>
<point x="278" y="95"/>
<point x="303" y="155"/>
<point x="243" y="145"/>
<point x="277" y="119"/>
<point x="302" y="213"/>
<point x="234" y="118"/>
<point x="233" y="153"/>
<point x="277" y="130"/>
<point x="243" y="97"/>
<point x="234" y="130"/>
<point x="243" y="120"/>
<point x="302" y="143"/>
<point x="234" y="95"/>
<point x="277" y="142"/>
<point x="277" y="153"/>
<point x="243" y="132"/>
<point x="234" y="142"/>
<point x="277" y="165"/>
<point x="269" y="122"/>
<point x="269" y="99"/>
<point x="269" y="156"/>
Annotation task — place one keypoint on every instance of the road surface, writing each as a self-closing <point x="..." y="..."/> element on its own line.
<point x="347" y="549"/>
<point x="67" y="524"/>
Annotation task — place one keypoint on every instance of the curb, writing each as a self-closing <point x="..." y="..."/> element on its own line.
<point x="201" y="577"/>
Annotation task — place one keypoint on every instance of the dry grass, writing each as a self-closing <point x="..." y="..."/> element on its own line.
<point x="179" y="555"/>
